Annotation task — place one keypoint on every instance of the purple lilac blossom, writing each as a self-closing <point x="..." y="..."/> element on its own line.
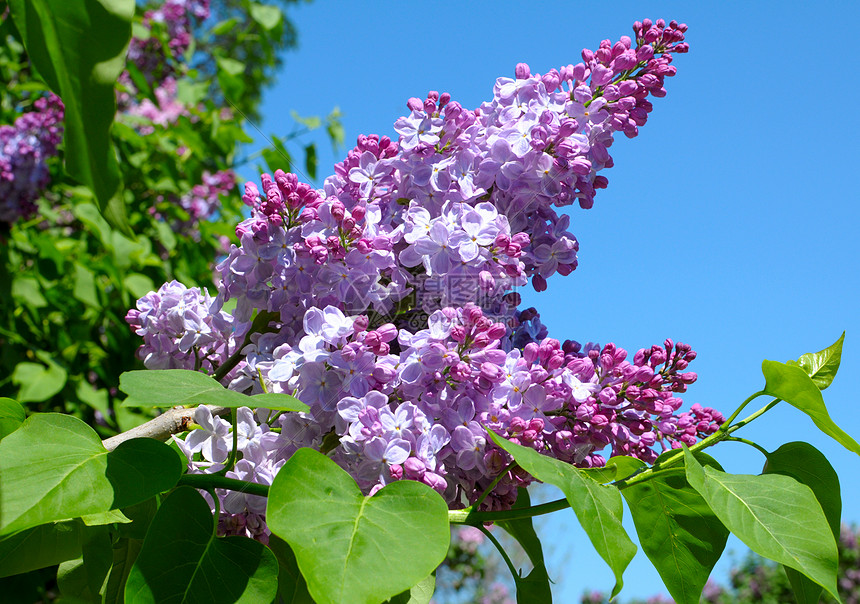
<point x="447" y="221"/>
<point x="24" y="148"/>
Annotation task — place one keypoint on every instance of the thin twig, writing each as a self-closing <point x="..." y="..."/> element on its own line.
<point x="174" y="421"/>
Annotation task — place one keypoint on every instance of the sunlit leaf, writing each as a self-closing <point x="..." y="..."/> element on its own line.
<point x="774" y="515"/>
<point x="598" y="508"/>
<point x="55" y="467"/>
<point x="822" y="366"/>
<point x="794" y="386"/>
<point x="347" y="544"/>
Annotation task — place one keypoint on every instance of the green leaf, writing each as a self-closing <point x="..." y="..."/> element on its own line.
<point x="27" y="291"/>
<point x="616" y="468"/>
<point x="794" y="386"/>
<point x="171" y="387"/>
<point x="125" y="553"/>
<point x="12" y="415"/>
<point x="266" y="15"/>
<point x="346" y="544"/>
<point x="311" y="160"/>
<point x="292" y="588"/>
<point x="822" y="366"/>
<point x="809" y="466"/>
<point x="109" y="517"/>
<point x="85" y="286"/>
<point x="55" y="467"/>
<point x="139" y="285"/>
<point x="79" y="49"/>
<point x="38" y="383"/>
<point x="40" y="547"/>
<point x="775" y="516"/>
<point x="598" y="508"/>
<point x="421" y="593"/>
<point x="534" y="587"/>
<point x="678" y="531"/>
<point x="83" y="577"/>
<point x="203" y="568"/>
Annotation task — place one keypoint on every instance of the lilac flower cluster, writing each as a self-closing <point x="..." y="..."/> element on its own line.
<point x="183" y="328"/>
<point x="24" y="148"/>
<point x="167" y="110"/>
<point x="204" y="199"/>
<point x="404" y="380"/>
<point x="176" y="17"/>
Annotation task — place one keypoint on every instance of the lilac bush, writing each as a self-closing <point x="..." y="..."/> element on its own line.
<point x="25" y="147"/>
<point x="389" y="303"/>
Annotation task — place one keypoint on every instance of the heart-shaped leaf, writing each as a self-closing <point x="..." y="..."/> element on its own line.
<point x="774" y="515"/>
<point x="55" y="467"/>
<point x="794" y="386"/>
<point x="808" y="465"/>
<point x="352" y="548"/>
<point x="171" y="387"/>
<point x="292" y="588"/>
<point x="822" y="366"/>
<point x="598" y="508"/>
<point x="200" y="567"/>
<point x="678" y="531"/>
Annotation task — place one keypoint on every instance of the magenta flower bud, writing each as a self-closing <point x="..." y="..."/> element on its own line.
<point x="458" y="333"/>
<point x="688" y="377"/>
<point x="414" y="104"/>
<point x="360" y="323"/>
<point x="530" y="352"/>
<point x="358" y="212"/>
<point x="480" y="341"/>
<point x="492" y="373"/>
<point x="497" y="331"/>
<point x="435" y="482"/>
<point x="387" y="332"/>
<point x="461" y="371"/>
<point x="383" y="373"/>
<point x="538" y="374"/>
<point x="443" y="99"/>
<point x="414" y="468"/>
<point x="522" y="71"/>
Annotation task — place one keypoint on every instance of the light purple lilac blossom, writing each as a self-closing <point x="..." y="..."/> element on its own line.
<point x="24" y="148"/>
<point x="392" y="310"/>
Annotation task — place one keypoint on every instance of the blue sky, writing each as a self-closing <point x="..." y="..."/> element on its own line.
<point x="729" y="223"/>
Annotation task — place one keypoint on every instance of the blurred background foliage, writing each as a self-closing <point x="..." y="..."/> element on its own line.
<point x="187" y="103"/>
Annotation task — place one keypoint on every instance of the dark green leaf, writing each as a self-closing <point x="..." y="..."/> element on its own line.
<point x="774" y="515"/>
<point x="79" y="50"/>
<point x="204" y="568"/>
<point x="311" y="160"/>
<point x="55" y="467"/>
<point x="598" y="508"/>
<point x="83" y="577"/>
<point x="125" y="553"/>
<point x="822" y="366"/>
<point x="40" y="546"/>
<point x="807" y="465"/>
<point x="534" y="587"/>
<point x="346" y="544"/>
<point x="291" y="584"/>
<point x="794" y="386"/>
<point x="12" y="415"/>
<point x="678" y="531"/>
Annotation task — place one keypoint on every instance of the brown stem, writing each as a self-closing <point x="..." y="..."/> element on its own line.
<point x="174" y="421"/>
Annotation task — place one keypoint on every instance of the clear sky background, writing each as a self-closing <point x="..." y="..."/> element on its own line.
<point x="729" y="223"/>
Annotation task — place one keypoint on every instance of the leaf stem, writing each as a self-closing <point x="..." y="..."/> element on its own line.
<point x="493" y="484"/>
<point x="748" y="442"/>
<point x="475" y="518"/>
<point x="502" y="551"/>
<point x="737" y="412"/>
<point x="214" y="481"/>
<point x="231" y="459"/>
